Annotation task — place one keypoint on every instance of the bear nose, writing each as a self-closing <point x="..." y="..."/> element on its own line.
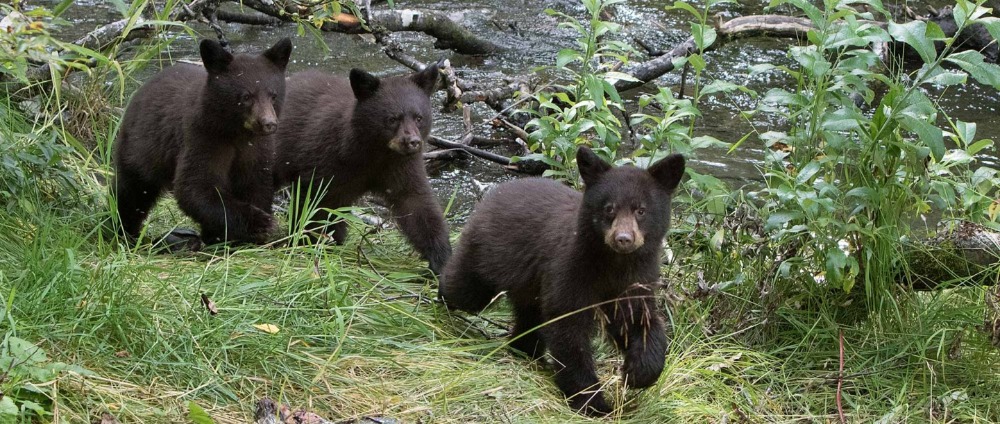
<point x="624" y="239"/>
<point x="413" y="143"/>
<point x="270" y="127"/>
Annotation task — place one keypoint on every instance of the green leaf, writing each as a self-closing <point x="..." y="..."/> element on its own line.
<point x="706" y="141"/>
<point x="612" y="92"/>
<point x="972" y="62"/>
<point x="979" y="146"/>
<point x="719" y="86"/>
<point x="928" y="133"/>
<point x="779" y="219"/>
<point x="697" y="62"/>
<point x="120" y="6"/>
<point x="34" y="407"/>
<point x="814" y="14"/>
<point x="836" y="261"/>
<point x="704" y="36"/>
<point x="966" y="131"/>
<point x="684" y="6"/>
<point x="24" y="350"/>
<point x="596" y="88"/>
<point x="807" y="172"/>
<point x="61" y="7"/>
<point x="198" y="415"/>
<point x="992" y="25"/>
<point x="566" y="56"/>
<point x="915" y="34"/>
<point x="7" y="407"/>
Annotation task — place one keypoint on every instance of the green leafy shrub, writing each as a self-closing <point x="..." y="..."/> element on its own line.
<point x="853" y="170"/>
<point x="582" y="111"/>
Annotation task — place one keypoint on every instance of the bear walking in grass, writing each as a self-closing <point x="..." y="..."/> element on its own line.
<point x="566" y="259"/>
<point x="364" y="135"/>
<point x="206" y="134"/>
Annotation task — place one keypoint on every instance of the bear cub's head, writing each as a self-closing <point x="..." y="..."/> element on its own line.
<point x="395" y="111"/>
<point x="249" y="88"/>
<point x="627" y="206"/>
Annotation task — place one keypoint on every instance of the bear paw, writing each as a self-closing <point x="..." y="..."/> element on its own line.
<point x="590" y="403"/>
<point x="642" y="373"/>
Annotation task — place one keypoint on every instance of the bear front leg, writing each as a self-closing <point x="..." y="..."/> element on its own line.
<point x="252" y="177"/>
<point x="253" y="183"/>
<point x="526" y="337"/>
<point x="203" y="191"/>
<point x="636" y="326"/>
<point x="568" y="341"/>
<point x="420" y="219"/>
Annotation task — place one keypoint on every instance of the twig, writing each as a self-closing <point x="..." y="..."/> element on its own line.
<point x="518" y="131"/>
<point x="649" y="49"/>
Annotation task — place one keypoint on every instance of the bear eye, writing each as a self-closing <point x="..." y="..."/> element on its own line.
<point x="640" y="211"/>
<point x="609" y="209"/>
<point x="394" y="119"/>
<point x="418" y="118"/>
<point x="245" y="97"/>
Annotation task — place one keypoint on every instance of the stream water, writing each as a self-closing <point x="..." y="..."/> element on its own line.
<point x="534" y="40"/>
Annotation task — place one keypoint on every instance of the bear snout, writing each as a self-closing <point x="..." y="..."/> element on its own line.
<point x="624" y="236"/>
<point x="406" y="145"/>
<point x="269" y="127"/>
<point x="624" y="239"/>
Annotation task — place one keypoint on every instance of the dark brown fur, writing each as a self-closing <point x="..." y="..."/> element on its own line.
<point x="562" y="257"/>
<point x="365" y="135"/>
<point x="206" y="134"/>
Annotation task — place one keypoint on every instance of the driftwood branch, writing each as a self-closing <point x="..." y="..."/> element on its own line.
<point x="742" y="27"/>
<point x="247" y="18"/>
<point x="449" y="34"/>
<point x="530" y="167"/>
<point x="446" y="144"/>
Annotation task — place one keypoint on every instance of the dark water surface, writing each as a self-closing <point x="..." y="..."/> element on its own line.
<point x="533" y="41"/>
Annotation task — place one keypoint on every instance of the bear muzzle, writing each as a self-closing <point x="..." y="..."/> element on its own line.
<point x="262" y="120"/>
<point x="406" y="145"/>
<point x="624" y="236"/>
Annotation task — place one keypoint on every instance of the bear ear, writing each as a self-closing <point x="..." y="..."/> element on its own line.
<point x="214" y="56"/>
<point x="279" y="53"/>
<point x="427" y="79"/>
<point x="364" y="84"/>
<point x="591" y="166"/>
<point x="668" y="171"/>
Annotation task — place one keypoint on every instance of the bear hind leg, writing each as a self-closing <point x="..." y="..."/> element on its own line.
<point x="463" y="288"/>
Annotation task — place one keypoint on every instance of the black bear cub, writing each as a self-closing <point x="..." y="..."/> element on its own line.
<point x="206" y="134"/>
<point x="568" y="261"/>
<point x="365" y="135"/>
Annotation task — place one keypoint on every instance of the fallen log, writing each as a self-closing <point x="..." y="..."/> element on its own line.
<point x="449" y="34"/>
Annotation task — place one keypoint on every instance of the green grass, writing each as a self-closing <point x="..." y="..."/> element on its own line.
<point x="358" y="335"/>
